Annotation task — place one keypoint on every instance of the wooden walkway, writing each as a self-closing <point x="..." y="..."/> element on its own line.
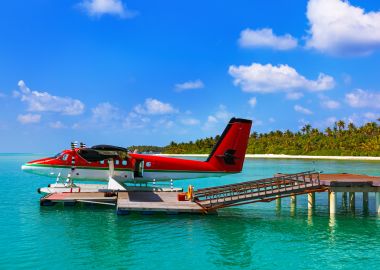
<point x="263" y="190"/>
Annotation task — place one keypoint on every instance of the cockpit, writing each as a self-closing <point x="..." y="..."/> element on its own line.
<point x="61" y="156"/>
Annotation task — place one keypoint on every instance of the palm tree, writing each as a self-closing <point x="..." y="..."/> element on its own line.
<point x="329" y="131"/>
<point x="306" y="129"/>
<point x="351" y="127"/>
<point x="341" y="125"/>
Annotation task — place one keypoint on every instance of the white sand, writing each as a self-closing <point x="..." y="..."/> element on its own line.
<point x="275" y="156"/>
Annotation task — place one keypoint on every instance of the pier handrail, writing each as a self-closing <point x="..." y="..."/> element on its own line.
<point x="262" y="189"/>
<point x="265" y="180"/>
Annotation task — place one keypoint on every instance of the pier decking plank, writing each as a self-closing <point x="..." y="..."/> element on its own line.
<point x="155" y="202"/>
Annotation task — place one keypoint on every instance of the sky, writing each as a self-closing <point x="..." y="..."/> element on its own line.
<point x="132" y="72"/>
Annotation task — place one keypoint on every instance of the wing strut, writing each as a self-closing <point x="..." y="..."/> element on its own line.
<point x="112" y="183"/>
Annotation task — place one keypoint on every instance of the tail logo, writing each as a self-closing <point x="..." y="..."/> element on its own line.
<point x="229" y="156"/>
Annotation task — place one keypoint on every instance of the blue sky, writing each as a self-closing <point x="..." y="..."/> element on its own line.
<point x="148" y="72"/>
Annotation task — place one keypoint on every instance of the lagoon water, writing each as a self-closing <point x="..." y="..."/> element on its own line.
<point x="247" y="237"/>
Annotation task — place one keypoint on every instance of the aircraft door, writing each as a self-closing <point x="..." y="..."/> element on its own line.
<point x="139" y="168"/>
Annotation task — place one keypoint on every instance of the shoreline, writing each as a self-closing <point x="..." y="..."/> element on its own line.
<point x="281" y="156"/>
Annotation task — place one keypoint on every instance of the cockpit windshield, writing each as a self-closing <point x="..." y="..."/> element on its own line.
<point x="57" y="155"/>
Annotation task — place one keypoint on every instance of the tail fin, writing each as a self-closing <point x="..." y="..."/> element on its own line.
<point x="229" y="152"/>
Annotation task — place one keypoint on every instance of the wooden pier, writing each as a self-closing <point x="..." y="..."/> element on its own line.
<point x="127" y="201"/>
<point x="208" y="200"/>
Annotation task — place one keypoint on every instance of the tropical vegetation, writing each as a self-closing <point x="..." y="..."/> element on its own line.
<point x="341" y="139"/>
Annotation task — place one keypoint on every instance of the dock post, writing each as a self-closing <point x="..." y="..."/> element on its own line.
<point x="293" y="204"/>
<point x="278" y="203"/>
<point x="332" y="199"/>
<point x="344" y="200"/>
<point x="310" y="200"/>
<point x="352" y="200"/>
<point x="293" y="200"/>
<point x="377" y="203"/>
<point x="365" y="201"/>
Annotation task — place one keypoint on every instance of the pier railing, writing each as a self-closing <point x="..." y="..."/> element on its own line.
<point x="268" y="189"/>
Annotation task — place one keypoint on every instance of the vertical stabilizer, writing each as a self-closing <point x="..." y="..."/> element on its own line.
<point x="229" y="152"/>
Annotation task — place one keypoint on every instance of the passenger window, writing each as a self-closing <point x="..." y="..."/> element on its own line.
<point x="124" y="162"/>
<point x="116" y="162"/>
<point x="64" y="157"/>
<point x="102" y="162"/>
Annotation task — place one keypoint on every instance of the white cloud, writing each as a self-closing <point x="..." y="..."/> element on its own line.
<point x="363" y="99"/>
<point x="328" y="103"/>
<point x="221" y="115"/>
<point x="252" y="102"/>
<point x="347" y="79"/>
<point x="57" y="125"/>
<point x="107" y="7"/>
<point x="45" y="102"/>
<point x="154" y="107"/>
<point x="338" y="28"/>
<point x="29" y="118"/>
<point x="282" y="78"/>
<point x="197" y="84"/>
<point x="372" y="116"/>
<point x="261" y="38"/>
<point x="301" y="109"/>
<point x="190" y="121"/>
<point x="135" y="121"/>
<point x="328" y="122"/>
<point x="294" y="95"/>
<point x="75" y="126"/>
<point x="105" y="112"/>
<point x="212" y="119"/>
<point x="166" y="123"/>
<point x="362" y="118"/>
<point x="257" y="122"/>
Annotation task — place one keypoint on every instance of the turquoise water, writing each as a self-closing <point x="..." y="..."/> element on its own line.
<point x="247" y="237"/>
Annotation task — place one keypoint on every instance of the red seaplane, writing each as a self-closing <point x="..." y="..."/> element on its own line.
<point x="117" y="165"/>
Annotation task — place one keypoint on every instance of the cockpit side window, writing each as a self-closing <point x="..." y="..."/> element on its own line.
<point x="65" y="157"/>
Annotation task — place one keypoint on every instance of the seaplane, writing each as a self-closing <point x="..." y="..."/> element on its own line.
<point x="118" y="166"/>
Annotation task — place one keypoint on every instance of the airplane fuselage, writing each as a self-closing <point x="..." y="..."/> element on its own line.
<point x="136" y="168"/>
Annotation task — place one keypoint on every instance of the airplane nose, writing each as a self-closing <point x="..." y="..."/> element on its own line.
<point x="25" y="167"/>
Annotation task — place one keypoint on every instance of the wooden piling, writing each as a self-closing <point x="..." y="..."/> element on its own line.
<point x="311" y="200"/>
<point x="352" y="201"/>
<point x="332" y="199"/>
<point x="344" y="200"/>
<point x="365" y="201"/>
<point x="278" y="203"/>
<point x="377" y="202"/>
